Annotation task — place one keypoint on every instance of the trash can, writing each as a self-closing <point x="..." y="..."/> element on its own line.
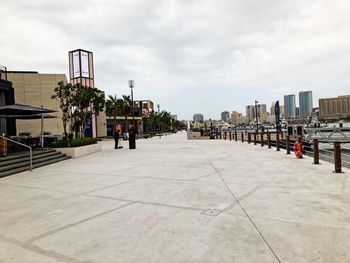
<point x="132" y="139"/>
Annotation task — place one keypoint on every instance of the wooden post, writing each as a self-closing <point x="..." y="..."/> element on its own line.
<point x="337" y="157"/>
<point x="316" y="152"/>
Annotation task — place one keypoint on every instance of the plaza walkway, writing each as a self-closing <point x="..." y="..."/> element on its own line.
<point x="173" y="200"/>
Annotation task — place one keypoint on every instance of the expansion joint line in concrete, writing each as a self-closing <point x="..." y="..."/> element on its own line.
<point x="241" y="206"/>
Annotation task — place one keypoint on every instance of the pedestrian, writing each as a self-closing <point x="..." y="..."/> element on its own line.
<point x="116" y="138"/>
<point x="297" y="148"/>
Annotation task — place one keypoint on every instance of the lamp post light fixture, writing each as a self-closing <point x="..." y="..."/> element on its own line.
<point x="131" y="85"/>
<point x="256" y="116"/>
<point x="132" y="133"/>
<point x="160" y="135"/>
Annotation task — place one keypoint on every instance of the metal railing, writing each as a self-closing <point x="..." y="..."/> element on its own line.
<point x="24" y="145"/>
<point x="335" y="153"/>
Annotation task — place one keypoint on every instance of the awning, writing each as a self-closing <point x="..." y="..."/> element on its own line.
<point x="20" y="109"/>
<point x="29" y="117"/>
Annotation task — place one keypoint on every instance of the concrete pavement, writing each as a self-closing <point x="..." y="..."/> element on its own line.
<point x="173" y="200"/>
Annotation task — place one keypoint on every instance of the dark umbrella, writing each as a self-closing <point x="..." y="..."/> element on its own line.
<point x="20" y="111"/>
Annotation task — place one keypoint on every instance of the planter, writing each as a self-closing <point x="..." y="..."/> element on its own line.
<point x="76" y="152"/>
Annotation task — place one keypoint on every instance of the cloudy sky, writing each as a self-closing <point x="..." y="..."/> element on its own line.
<point x="189" y="56"/>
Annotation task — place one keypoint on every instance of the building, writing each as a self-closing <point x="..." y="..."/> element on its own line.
<point x="334" y="108"/>
<point x="225" y="116"/>
<point x="146" y="106"/>
<point x="305" y="104"/>
<point x="235" y="118"/>
<point x="35" y="89"/>
<point x="289" y="106"/>
<point x="198" y="117"/>
<point x="250" y="111"/>
<point x="174" y="117"/>
<point x="7" y="97"/>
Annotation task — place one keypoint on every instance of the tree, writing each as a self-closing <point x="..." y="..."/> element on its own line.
<point x="89" y="101"/>
<point x="64" y="96"/>
<point x="114" y="108"/>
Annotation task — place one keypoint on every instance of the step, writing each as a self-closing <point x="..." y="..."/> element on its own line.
<point x="27" y="162"/>
<point x="37" y="165"/>
<point x="27" y="158"/>
<point x="24" y="154"/>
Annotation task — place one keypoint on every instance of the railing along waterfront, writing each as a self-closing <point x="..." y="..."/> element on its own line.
<point x="332" y="151"/>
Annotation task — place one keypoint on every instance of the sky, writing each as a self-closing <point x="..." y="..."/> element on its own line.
<point x="189" y="56"/>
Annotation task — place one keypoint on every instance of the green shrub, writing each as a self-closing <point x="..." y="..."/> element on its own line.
<point x="77" y="142"/>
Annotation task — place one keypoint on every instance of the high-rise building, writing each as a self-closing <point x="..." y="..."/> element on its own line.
<point x="225" y="115"/>
<point x="289" y="106"/>
<point x="250" y="111"/>
<point x="334" y="108"/>
<point x="198" y="117"/>
<point x="235" y="117"/>
<point x="305" y="103"/>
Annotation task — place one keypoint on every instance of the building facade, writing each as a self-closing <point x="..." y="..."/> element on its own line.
<point x="289" y="106"/>
<point x="35" y="89"/>
<point x="251" y="111"/>
<point x="7" y="97"/>
<point x="225" y="115"/>
<point x="235" y="118"/>
<point x="198" y="117"/>
<point x="305" y="104"/>
<point x="334" y="108"/>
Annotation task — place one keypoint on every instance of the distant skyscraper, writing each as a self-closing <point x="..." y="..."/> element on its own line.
<point x="225" y="115"/>
<point x="250" y="111"/>
<point x="198" y="117"/>
<point x="289" y="106"/>
<point x="305" y="103"/>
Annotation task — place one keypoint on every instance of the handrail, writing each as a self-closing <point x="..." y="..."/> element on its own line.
<point x="24" y="145"/>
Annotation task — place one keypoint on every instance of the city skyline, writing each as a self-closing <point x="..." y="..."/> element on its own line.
<point x="190" y="56"/>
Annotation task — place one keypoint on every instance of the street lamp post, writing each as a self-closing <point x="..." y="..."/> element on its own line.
<point x="131" y="85"/>
<point x="256" y="116"/>
<point x="160" y="135"/>
<point x="132" y="134"/>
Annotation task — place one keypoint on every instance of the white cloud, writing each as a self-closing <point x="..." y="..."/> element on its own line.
<point x="188" y="55"/>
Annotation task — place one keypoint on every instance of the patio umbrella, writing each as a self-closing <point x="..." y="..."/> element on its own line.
<point x="21" y="111"/>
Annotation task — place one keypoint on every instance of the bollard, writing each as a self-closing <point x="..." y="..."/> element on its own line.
<point x="235" y="135"/>
<point x="242" y="136"/>
<point x="220" y="135"/>
<point x="262" y="139"/>
<point x="269" y="139"/>
<point x="277" y="141"/>
<point x="249" y="138"/>
<point x="255" y="138"/>
<point x="216" y="134"/>
<point x="230" y="136"/>
<point x="316" y="152"/>
<point x="337" y="157"/>
<point x="288" y="144"/>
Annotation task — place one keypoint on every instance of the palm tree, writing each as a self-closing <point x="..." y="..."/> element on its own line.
<point x="126" y="110"/>
<point x="114" y="108"/>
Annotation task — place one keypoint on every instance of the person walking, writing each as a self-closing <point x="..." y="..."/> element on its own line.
<point x="297" y="148"/>
<point x="116" y="138"/>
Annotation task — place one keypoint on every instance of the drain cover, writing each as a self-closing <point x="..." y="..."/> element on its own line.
<point x="212" y="212"/>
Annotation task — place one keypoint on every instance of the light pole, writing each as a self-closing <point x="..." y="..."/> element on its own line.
<point x="158" y="106"/>
<point x="256" y="116"/>
<point x="132" y="133"/>
<point x="131" y="85"/>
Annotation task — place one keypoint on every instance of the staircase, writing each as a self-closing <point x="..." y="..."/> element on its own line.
<point x="20" y="162"/>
